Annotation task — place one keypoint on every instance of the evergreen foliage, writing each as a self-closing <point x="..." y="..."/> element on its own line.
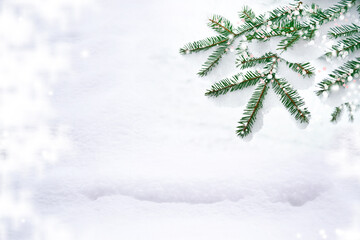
<point x="304" y="69"/>
<point x="221" y="25"/>
<point x="291" y="23"/>
<point x="340" y="76"/>
<point x="288" y="96"/>
<point x="252" y="108"/>
<point x="282" y="16"/>
<point x="291" y="100"/>
<point x="204" y="44"/>
<point x="344" y="47"/>
<point x="247" y="14"/>
<point x="349" y="106"/>
<point x="350" y="70"/>
<point x="212" y="60"/>
<point x="323" y="16"/>
<point x="237" y="82"/>
<point x="344" y="31"/>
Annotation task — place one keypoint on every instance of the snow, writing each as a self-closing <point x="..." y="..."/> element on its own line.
<point x="140" y="153"/>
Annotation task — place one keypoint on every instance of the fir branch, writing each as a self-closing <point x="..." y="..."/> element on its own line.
<point x="305" y="69"/>
<point x="237" y="82"/>
<point x="340" y="76"/>
<point x="221" y="25"/>
<point x="343" y="31"/>
<point x="264" y="35"/>
<point x="212" y="60"/>
<point x="275" y="16"/>
<point x="284" y="28"/>
<point x="326" y="85"/>
<point x="254" y="105"/>
<point x="224" y="27"/>
<point x="350" y="107"/>
<point x="336" y="114"/>
<point x="229" y="34"/>
<point x="271" y="65"/>
<point x="247" y="14"/>
<point x="243" y="49"/>
<point x="350" y="112"/>
<point x="345" y="46"/>
<point x="203" y="44"/>
<point x="291" y="100"/>
<point x="288" y="42"/>
<point x="278" y="22"/>
<point x="309" y="32"/>
<point x="248" y="62"/>
<point x="320" y="17"/>
<point x="279" y="14"/>
<point x="249" y="26"/>
<point x="332" y="13"/>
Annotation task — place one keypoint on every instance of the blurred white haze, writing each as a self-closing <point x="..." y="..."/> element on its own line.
<point x="106" y="133"/>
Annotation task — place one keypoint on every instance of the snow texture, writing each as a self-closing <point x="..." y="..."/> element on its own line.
<point x="152" y="158"/>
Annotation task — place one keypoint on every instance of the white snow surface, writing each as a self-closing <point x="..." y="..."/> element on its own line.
<point x="152" y="158"/>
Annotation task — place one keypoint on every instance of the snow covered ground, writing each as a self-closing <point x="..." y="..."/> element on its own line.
<point x="150" y="157"/>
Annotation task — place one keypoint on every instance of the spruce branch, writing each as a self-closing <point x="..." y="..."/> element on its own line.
<point x="320" y="17"/>
<point x="212" y="60"/>
<point x="340" y="76"/>
<point x="349" y="106"/>
<point x="326" y="85"/>
<point x="275" y="16"/>
<point x="280" y="22"/>
<point x="291" y="100"/>
<point x="247" y="62"/>
<point x="350" y="111"/>
<point x="279" y="14"/>
<point x="305" y="30"/>
<point x="237" y="82"/>
<point x="271" y="65"/>
<point x="343" y="75"/>
<point x="243" y="50"/>
<point x="282" y="16"/>
<point x="288" y="96"/>
<point x="221" y="25"/>
<point x="250" y="114"/>
<point x="343" y="31"/>
<point x="336" y="114"/>
<point x="248" y="26"/>
<point x="281" y="29"/>
<point x="288" y="42"/>
<point x="309" y="32"/>
<point x="345" y="46"/>
<point x="247" y="14"/>
<point x="264" y="35"/>
<point x="203" y="44"/>
<point x="332" y="13"/>
<point x="304" y="69"/>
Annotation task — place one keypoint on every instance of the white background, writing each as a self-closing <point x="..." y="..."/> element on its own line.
<point x="151" y="157"/>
